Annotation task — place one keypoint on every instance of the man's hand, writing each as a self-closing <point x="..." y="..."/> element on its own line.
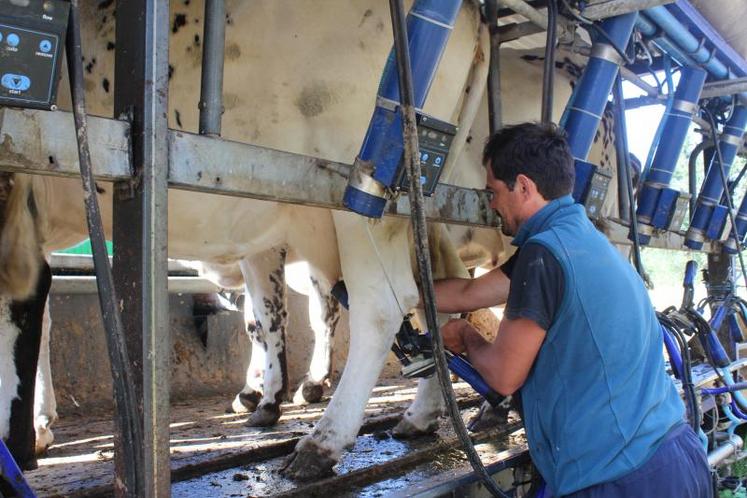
<point x="453" y="335"/>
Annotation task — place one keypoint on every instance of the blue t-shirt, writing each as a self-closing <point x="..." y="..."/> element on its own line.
<point x="597" y="402"/>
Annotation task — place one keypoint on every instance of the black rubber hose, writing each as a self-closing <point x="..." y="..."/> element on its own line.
<point x="127" y="417"/>
<point x="412" y="165"/>
<point x="621" y="135"/>
<point x="692" y="174"/>
<point x="548" y="77"/>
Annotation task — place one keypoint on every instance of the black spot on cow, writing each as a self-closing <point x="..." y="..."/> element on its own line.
<point x="105" y="84"/>
<point x="229" y="19"/>
<point x="469" y="139"/>
<point x="366" y="15"/>
<point x="197" y="39"/>
<point x="110" y="46"/>
<point x="186" y="2"/>
<point x="100" y="189"/>
<point x="178" y="117"/>
<point x="171" y="71"/>
<point x="89" y="66"/>
<point x="180" y="20"/>
<point x="105" y="4"/>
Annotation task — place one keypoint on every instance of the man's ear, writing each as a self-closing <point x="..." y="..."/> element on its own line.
<point x="525" y="184"/>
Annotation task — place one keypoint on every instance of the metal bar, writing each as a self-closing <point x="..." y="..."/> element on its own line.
<point x="70" y="263"/>
<point x="211" y="93"/>
<point x="202" y="162"/>
<point x="495" y="111"/>
<point x="514" y="31"/>
<point x="86" y="284"/>
<point x="526" y="10"/>
<point x="617" y="232"/>
<point x="38" y="140"/>
<point x="601" y="9"/>
<point x="125" y="394"/>
<point x="726" y="87"/>
<point x="140" y="219"/>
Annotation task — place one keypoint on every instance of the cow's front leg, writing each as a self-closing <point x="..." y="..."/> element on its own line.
<point x="421" y="417"/>
<point x="265" y="279"/>
<point x="26" y="318"/>
<point x="324" y="313"/>
<point x="375" y="316"/>
<point x="45" y="403"/>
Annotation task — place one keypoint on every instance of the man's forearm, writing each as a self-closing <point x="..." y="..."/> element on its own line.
<point x="450" y="294"/>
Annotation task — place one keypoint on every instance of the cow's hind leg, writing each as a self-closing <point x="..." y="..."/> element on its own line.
<point x="324" y="313"/>
<point x="249" y="397"/>
<point x="45" y="403"/>
<point x="265" y="279"/>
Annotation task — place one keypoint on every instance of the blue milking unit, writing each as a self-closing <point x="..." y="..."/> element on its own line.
<point x="709" y="217"/>
<point x="584" y="111"/>
<point x="377" y="169"/>
<point x="732" y="246"/>
<point x="657" y="202"/>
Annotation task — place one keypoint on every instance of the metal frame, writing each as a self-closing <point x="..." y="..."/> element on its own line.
<point x="141" y="194"/>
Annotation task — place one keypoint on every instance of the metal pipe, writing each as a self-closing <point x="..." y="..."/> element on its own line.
<point x="623" y="155"/>
<point x="495" y="110"/>
<point x="732" y="445"/>
<point x="69" y="284"/>
<point x="712" y="188"/>
<point x="584" y="110"/>
<point x="676" y="124"/>
<point x="548" y="75"/>
<point x="213" y="54"/>
<point x="127" y="417"/>
<point x="526" y="10"/>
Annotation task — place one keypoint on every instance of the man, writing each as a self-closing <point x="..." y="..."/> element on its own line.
<point x="579" y="337"/>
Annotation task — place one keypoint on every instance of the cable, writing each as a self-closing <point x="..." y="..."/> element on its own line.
<point x="596" y="27"/>
<point x="412" y="165"/>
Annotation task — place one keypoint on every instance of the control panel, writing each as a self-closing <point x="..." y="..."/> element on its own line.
<point x="434" y="141"/>
<point x="590" y="187"/>
<point x="32" y="38"/>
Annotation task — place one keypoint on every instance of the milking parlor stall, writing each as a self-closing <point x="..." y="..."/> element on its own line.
<point x="269" y="189"/>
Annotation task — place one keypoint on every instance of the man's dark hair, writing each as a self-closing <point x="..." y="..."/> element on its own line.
<point x="538" y="151"/>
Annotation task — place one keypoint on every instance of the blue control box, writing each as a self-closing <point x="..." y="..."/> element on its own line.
<point x="32" y="38"/>
<point x="590" y="187"/>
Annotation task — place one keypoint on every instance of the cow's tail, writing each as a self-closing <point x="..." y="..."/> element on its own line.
<point x="20" y="248"/>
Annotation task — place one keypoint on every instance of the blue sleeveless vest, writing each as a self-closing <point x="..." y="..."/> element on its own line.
<point x="597" y="402"/>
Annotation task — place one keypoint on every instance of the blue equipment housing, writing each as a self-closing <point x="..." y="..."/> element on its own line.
<point x="12" y="475"/>
<point x="584" y="111"/>
<point x="651" y="202"/>
<point x="376" y="169"/>
<point x="708" y="219"/>
<point x="732" y="246"/>
<point x="590" y="187"/>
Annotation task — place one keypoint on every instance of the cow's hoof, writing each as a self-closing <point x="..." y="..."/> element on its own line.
<point x="265" y="416"/>
<point x="309" y="392"/>
<point x="28" y="464"/>
<point x="407" y="429"/>
<point x="308" y="462"/>
<point x="44" y="435"/>
<point x="488" y="417"/>
<point x="245" y="402"/>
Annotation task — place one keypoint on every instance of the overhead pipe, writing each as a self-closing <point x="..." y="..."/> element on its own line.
<point x="710" y="193"/>
<point x="731" y="445"/>
<point x="676" y="39"/>
<point x="211" y="88"/>
<point x="375" y="170"/>
<point x="676" y="125"/>
<point x="584" y="111"/>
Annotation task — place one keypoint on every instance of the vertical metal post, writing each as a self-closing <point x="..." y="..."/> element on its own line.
<point x="495" y="112"/>
<point x="211" y="91"/>
<point x="140" y="221"/>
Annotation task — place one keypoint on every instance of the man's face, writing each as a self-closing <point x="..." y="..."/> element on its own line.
<point x="505" y="202"/>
